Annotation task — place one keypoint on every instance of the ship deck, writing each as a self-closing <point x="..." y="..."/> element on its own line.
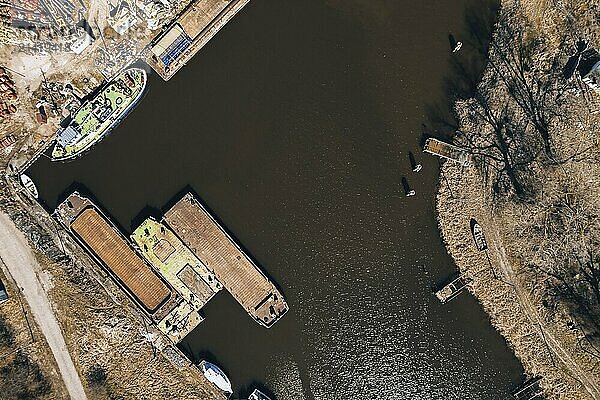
<point x="108" y="245"/>
<point x="222" y="256"/>
<point x="175" y="262"/>
<point x="100" y="114"/>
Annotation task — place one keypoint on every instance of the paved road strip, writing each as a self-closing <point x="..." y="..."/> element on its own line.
<point x="23" y="267"/>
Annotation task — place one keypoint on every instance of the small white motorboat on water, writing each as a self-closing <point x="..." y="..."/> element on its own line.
<point x="258" y="395"/>
<point x="216" y="376"/>
<point x="27" y="182"/>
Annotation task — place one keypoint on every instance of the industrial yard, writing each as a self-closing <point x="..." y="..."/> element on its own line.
<point x="55" y="56"/>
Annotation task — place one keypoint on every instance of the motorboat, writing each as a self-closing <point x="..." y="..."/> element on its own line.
<point x="27" y="182"/>
<point x="216" y="376"/>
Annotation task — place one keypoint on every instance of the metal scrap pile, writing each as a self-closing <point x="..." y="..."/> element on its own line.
<point x="62" y="12"/>
<point x="7" y="95"/>
<point x="40" y="26"/>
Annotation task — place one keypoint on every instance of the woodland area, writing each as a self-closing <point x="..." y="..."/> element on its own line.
<point x="531" y="127"/>
<point x="532" y="134"/>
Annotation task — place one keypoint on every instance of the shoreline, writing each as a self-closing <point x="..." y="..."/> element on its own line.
<point x="502" y="296"/>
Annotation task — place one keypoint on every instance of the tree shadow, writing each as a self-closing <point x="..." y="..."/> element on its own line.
<point x="466" y="69"/>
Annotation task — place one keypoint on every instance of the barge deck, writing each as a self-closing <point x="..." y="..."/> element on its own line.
<point x="175" y="262"/>
<point x="174" y="315"/>
<point x="223" y="257"/>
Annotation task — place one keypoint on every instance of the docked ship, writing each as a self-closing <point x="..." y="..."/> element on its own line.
<point x="96" y="117"/>
<point x="216" y="376"/>
<point x="28" y="184"/>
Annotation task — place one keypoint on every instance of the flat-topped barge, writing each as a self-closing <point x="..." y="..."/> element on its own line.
<point x="239" y="275"/>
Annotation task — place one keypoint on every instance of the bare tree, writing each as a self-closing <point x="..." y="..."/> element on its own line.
<point x="531" y="82"/>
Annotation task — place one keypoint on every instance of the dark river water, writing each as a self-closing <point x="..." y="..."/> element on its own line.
<point x="294" y="126"/>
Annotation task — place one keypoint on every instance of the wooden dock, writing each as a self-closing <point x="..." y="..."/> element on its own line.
<point x="188" y="33"/>
<point x="448" y="151"/>
<point x="453" y="289"/>
<point x="223" y="257"/>
<point x="530" y="390"/>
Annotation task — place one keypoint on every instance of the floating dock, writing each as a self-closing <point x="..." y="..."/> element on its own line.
<point x="239" y="275"/>
<point x="453" y="289"/>
<point x="174" y="315"/>
<point x="448" y="151"/>
<point x="188" y="33"/>
<point x="530" y="390"/>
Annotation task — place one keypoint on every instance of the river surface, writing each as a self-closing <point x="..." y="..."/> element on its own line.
<point x="294" y="126"/>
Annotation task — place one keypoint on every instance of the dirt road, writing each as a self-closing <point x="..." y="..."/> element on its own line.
<point x="23" y="267"/>
<point x="565" y="358"/>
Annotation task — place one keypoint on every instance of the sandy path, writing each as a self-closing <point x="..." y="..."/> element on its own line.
<point x="21" y="262"/>
<point x="590" y="384"/>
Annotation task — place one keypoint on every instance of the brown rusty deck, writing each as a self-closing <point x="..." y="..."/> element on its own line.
<point x="231" y="266"/>
<point x="111" y="248"/>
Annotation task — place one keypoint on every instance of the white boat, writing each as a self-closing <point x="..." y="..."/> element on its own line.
<point x="457" y="47"/>
<point x="258" y="395"/>
<point x="216" y="376"/>
<point x="478" y="236"/>
<point x="27" y="182"/>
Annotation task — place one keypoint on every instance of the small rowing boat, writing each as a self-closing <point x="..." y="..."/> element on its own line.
<point x="27" y="182"/>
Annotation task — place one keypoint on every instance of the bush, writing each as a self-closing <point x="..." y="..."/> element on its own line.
<point x="23" y="380"/>
<point x="96" y="376"/>
<point x="7" y="336"/>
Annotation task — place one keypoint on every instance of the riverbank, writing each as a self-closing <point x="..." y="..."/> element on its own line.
<point x="29" y="368"/>
<point x="533" y="190"/>
<point x="110" y="342"/>
<point x="519" y="317"/>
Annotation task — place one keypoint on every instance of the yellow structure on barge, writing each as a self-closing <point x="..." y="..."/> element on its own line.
<point x="176" y="263"/>
<point x="174" y="313"/>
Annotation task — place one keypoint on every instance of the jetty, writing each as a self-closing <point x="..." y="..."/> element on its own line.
<point x="174" y="315"/>
<point x="448" y="151"/>
<point x="215" y="248"/>
<point x="453" y="289"/>
<point x="530" y="390"/>
<point x="188" y="33"/>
